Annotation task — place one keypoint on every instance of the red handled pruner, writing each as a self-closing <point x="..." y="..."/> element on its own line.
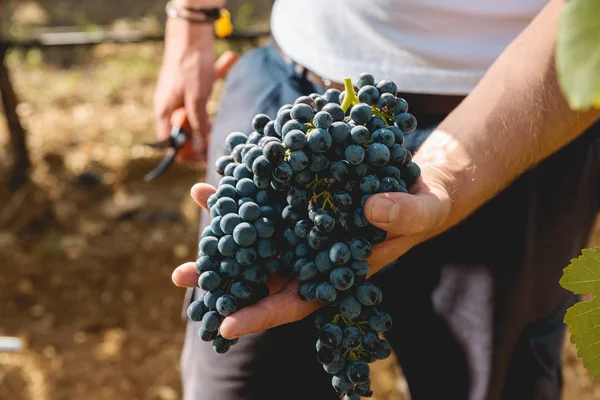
<point x="178" y="141"/>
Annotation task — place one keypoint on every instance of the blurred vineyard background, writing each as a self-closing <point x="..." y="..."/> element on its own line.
<point x="86" y="247"/>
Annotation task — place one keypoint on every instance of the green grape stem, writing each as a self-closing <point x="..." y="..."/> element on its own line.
<point x="350" y="98"/>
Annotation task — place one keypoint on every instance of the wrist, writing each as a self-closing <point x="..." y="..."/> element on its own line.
<point x="182" y="31"/>
<point x="201" y="3"/>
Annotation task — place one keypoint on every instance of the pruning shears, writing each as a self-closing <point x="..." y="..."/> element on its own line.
<point x="178" y="142"/>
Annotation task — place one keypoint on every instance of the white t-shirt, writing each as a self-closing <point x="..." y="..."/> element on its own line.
<point x="425" y="46"/>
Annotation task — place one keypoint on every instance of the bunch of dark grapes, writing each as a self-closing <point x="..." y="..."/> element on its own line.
<point x="292" y="200"/>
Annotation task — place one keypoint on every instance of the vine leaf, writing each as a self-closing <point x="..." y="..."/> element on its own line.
<point x="583" y="276"/>
<point x="578" y="53"/>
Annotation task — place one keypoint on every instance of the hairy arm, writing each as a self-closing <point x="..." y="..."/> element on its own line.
<point x="516" y="117"/>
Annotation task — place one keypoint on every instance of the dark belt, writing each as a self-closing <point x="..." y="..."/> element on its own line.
<point x="420" y="105"/>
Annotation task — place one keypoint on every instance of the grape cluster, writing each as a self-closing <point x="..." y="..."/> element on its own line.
<point x="292" y="200"/>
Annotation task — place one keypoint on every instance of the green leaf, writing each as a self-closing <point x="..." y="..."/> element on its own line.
<point x="583" y="319"/>
<point x="578" y="53"/>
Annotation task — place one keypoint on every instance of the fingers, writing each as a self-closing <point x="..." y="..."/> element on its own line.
<point x="195" y="107"/>
<point x="200" y="193"/>
<point x="225" y="63"/>
<point x="402" y="213"/>
<point x="185" y="275"/>
<point x="280" y="308"/>
<point x="389" y="251"/>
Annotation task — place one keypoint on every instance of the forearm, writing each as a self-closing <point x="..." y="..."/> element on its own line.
<point x="514" y="118"/>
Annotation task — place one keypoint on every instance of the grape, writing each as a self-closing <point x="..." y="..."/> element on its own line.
<point x="244" y="234"/>
<point x="206" y="263"/>
<point x="385" y="86"/>
<point x="380" y="322"/>
<point x="411" y="173"/>
<point x="251" y="155"/>
<point x="241" y="290"/>
<point x="317" y="239"/>
<point x="261" y="167"/>
<point x="325" y="293"/>
<point x="327" y="356"/>
<point x="227" y="245"/>
<point x="222" y="163"/>
<point x="291" y="126"/>
<point x="352" y="338"/>
<point x="341" y="384"/>
<point x="259" y="122"/>
<point x="323" y="120"/>
<point x="208" y="246"/>
<point x="205" y="335"/>
<point x="304" y="269"/>
<point x="225" y="206"/>
<point x="196" y="310"/>
<point x="339" y="254"/>
<point x="368" y="94"/>
<point x="365" y="79"/>
<point x="306" y="291"/>
<point x="209" y="280"/>
<point x="330" y="335"/>
<point x="302" y="250"/>
<point x="226" y="305"/>
<point x="389" y="185"/>
<point x="350" y="307"/>
<point x="360" y="135"/>
<point x="387" y="102"/>
<point x="241" y="171"/>
<point x="319" y="140"/>
<point x="298" y="160"/>
<point x="324" y="222"/>
<point x="369" y="184"/>
<point x="358" y="372"/>
<point x="282" y="172"/>
<point x="361" y="113"/>
<point x="264" y="227"/>
<point x="291" y="200"/>
<point x="295" y="140"/>
<point x="341" y="278"/>
<point x="302" y="112"/>
<point x="246" y="256"/>
<point x="225" y="192"/>
<point x="249" y="212"/>
<point x="339" y="170"/>
<point x="254" y="138"/>
<point x="336" y="112"/>
<point x="377" y="154"/>
<point x="384" y="136"/>
<point x="305" y="100"/>
<point x="323" y="262"/>
<point x="332" y="96"/>
<point x="406" y="122"/>
<point x="230" y="268"/>
<point x="368" y="294"/>
<point x="319" y="163"/>
<point x="211" y="321"/>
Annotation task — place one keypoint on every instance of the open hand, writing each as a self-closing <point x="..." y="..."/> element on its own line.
<point x="408" y="218"/>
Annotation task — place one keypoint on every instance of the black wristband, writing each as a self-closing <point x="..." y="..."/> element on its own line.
<point x="211" y="13"/>
<point x="203" y="15"/>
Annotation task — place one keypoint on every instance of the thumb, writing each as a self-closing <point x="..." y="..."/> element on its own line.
<point x="404" y="214"/>
<point x="200" y="193"/>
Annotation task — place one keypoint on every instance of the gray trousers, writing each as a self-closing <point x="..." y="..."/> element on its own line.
<point x="477" y="310"/>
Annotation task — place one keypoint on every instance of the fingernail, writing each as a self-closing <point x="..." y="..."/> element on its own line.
<point x="224" y="329"/>
<point x="384" y="210"/>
